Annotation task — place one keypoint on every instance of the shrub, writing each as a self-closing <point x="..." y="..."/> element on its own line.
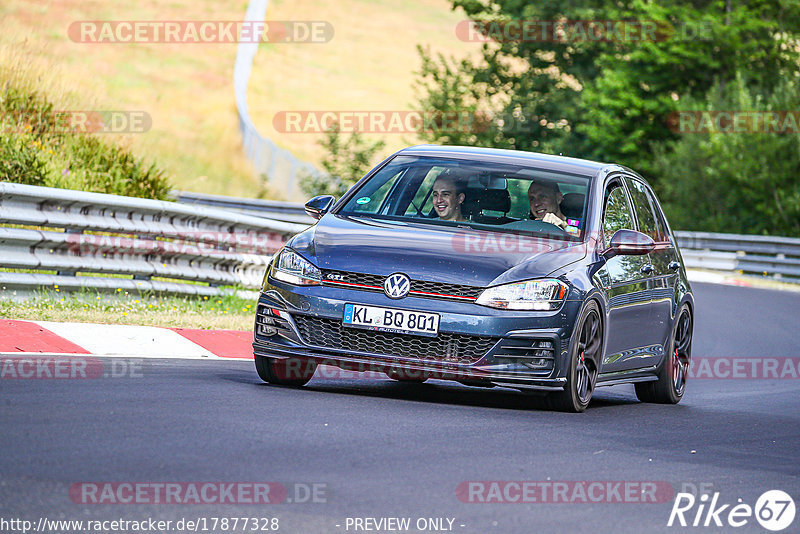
<point x="735" y="182"/>
<point x="33" y="151"/>
<point x="345" y="162"/>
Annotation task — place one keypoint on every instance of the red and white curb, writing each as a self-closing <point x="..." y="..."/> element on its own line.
<point x="709" y="277"/>
<point x="43" y="337"/>
<point x="22" y="338"/>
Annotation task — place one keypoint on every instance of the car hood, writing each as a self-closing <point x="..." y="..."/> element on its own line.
<point x="437" y="254"/>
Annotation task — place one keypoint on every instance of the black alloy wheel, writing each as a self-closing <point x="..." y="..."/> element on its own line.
<point x="671" y="383"/>
<point x="583" y="363"/>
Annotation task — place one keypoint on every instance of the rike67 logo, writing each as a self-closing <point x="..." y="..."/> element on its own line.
<point x="774" y="510"/>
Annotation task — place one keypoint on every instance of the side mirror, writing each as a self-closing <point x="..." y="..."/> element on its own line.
<point x="319" y="206"/>
<point x="629" y="242"/>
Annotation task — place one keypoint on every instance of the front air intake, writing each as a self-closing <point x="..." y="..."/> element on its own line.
<point x="536" y="354"/>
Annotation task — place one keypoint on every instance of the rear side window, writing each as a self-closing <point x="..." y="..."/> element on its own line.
<point x="617" y="212"/>
<point x="647" y="214"/>
<point x="661" y="222"/>
<point x="641" y="205"/>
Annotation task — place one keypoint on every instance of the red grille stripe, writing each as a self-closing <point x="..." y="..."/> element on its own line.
<point x="425" y="293"/>
<point x="350" y="284"/>
<point x="442" y="295"/>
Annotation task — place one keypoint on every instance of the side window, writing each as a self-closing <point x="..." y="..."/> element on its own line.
<point x="617" y="212"/>
<point x="422" y="199"/>
<point x="372" y="197"/>
<point x="661" y="222"/>
<point x="643" y="208"/>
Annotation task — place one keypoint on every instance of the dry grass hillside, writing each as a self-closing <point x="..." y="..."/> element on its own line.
<point x="187" y="88"/>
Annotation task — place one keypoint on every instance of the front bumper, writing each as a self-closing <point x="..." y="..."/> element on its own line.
<point x="503" y="346"/>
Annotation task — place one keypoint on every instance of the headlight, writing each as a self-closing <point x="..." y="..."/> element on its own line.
<point x="292" y="268"/>
<point x="529" y="295"/>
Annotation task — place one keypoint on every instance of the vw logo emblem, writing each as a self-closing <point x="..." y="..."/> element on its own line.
<point x="396" y="286"/>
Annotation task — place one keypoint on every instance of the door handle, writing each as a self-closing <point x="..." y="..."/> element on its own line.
<point x="647" y="269"/>
<point x="674" y="265"/>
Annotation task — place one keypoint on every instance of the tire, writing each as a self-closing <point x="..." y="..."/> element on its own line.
<point x="585" y="354"/>
<point x="671" y="383"/>
<point x="285" y="371"/>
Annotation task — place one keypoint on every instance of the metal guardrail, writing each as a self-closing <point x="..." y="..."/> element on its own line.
<point x="272" y="209"/>
<point x="78" y="240"/>
<point x="94" y="241"/>
<point x="269" y="160"/>
<point x="774" y="257"/>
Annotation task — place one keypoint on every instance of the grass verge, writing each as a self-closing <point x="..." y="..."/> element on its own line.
<point x="229" y="312"/>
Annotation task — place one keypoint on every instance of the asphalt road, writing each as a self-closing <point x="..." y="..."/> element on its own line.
<point x="380" y="449"/>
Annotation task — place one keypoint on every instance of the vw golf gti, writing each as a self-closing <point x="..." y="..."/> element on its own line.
<point x="490" y="267"/>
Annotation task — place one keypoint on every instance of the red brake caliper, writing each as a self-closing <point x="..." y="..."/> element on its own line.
<point x="582" y="352"/>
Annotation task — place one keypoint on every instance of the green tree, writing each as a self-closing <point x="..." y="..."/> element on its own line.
<point x="721" y="180"/>
<point x="345" y="162"/>
<point x="607" y="99"/>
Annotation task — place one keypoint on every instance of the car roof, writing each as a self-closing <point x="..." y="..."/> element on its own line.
<point x="518" y="157"/>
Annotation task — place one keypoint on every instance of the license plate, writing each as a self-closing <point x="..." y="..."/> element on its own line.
<point x="391" y="320"/>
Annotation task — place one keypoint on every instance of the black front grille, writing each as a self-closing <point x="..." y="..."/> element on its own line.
<point x="354" y="278"/>
<point x="446" y="289"/>
<point x="417" y="286"/>
<point x="446" y="348"/>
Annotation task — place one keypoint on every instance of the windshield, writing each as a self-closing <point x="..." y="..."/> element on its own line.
<point x="485" y="196"/>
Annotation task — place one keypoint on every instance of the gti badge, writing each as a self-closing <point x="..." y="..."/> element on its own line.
<point x="396" y="286"/>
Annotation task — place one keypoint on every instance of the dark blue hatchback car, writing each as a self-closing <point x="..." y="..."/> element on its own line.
<point x="488" y="267"/>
